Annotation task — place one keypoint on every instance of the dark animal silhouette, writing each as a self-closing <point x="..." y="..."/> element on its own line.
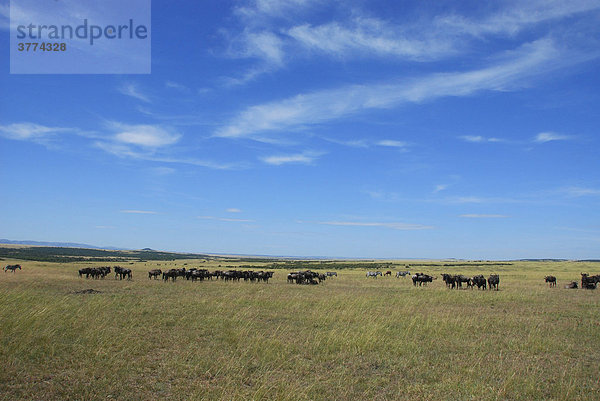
<point x="154" y="273"/>
<point x="551" y="280"/>
<point x="12" y="268"/>
<point x="493" y="281"/>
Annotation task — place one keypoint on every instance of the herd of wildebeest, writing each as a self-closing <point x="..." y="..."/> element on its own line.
<point x="309" y="277"/>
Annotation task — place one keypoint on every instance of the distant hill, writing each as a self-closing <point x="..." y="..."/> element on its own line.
<point x="58" y="244"/>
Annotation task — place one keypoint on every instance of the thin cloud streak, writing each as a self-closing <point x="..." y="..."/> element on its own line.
<point x="319" y="107"/>
<point x="484" y="216"/>
<point x="138" y="211"/>
<point x="133" y="91"/>
<point x="225" y="219"/>
<point x="395" y="226"/>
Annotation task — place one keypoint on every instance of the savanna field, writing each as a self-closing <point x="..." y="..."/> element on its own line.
<point x="348" y="338"/>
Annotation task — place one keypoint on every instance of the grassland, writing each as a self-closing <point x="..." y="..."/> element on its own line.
<point x="351" y="338"/>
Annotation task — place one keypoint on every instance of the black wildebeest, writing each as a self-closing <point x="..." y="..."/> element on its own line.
<point x="493" y="281"/>
<point x="331" y="274"/>
<point x="388" y="273"/>
<point x="551" y="280"/>
<point x="572" y="285"/>
<point x="154" y="273"/>
<point x="12" y="268"/>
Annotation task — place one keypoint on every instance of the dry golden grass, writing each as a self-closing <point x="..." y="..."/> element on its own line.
<point x="350" y="338"/>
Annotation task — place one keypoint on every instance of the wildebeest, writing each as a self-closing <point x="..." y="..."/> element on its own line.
<point x="303" y="277"/>
<point x="154" y="273"/>
<point x="331" y="274"/>
<point x="572" y="285"/>
<point x="122" y="272"/>
<point x="479" y="281"/>
<point x="462" y="279"/>
<point x="421" y="279"/>
<point x="493" y="281"/>
<point x="12" y="268"/>
<point x="373" y="274"/>
<point x="402" y="274"/>
<point x="94" y="272"/>
<point x="589" y="282"/>
<point x="449" y="279"/>
<point x="551" y="280"/>
<point x="170" y="274"/>
<point x="388" y="273"/>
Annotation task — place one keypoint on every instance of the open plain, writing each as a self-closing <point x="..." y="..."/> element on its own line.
<point x="348" y="338"/>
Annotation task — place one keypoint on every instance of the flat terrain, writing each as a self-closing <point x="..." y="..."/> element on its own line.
<point x="350" y="338"/>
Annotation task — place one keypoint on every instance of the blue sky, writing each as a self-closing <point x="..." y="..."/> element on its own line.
<point x="429" y="129"/>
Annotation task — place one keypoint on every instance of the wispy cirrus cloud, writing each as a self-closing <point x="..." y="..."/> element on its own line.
<point x="132" y="90"/>
<point x="144" y="135"/>
<point x="319" y="107"/>
<point x="226" y="219"/>
<point x="544" y="137"/>
<point x="392" y="225"/>
<point x="298" y="158"/>
<point x="30" y="131"/>
<point x="133" y="211"/>
<point x="577" y="192"/>
<point x="480" y="139"/>
<point x="484" y="216"/>
<point x="365" y="37"/>
<point x="233" y="210"/>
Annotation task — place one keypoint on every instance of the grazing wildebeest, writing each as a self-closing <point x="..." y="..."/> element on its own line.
<point x="305" y="277"/>
<point x="402" y="274"/>
<point x="572" y="285"/>
<point x="479" y="281"/>
<point x="331" y="274"/>
<point x="493" y="281"/>
<point x="462" y="279"/>
<point x="589" y="282"/>
<point x="388" y="273"/>
<point x="170" y="274"/>
<point x="154" y="273"/>
<point x="373" y="274"/>
<point x="421" y="279"/>
<point x="449" y="279"/>
<point x="12" y="268"/>
<point x="551" y="280"/>
<point x="122" y="272"/>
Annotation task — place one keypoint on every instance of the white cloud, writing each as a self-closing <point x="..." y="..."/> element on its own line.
<point x="543" y="137"/>
<point x="395" y="226"/>
<point x="319" y="107"/>
<point x="149" y="136"/>
<point x="138" y="211"/>
<point x="177" y="86"/>
<point x="392" y="143"/>
<point x="233" y="210"/>
<point x="515" y="17"/>
<point x="440" y="187"/>
<point x="130" y="89"/>
<point x="577" y="192"/>
<point x="225" y="219"/>
<point x="479" y="139"/>
<point x="29" y="131"/>
<point x="302" y="158"/>
<point x="370" y="36"/>
<point x="483" y="216"/>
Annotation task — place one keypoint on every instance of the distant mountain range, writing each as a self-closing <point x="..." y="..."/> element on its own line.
<point x="60" y="244"/>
